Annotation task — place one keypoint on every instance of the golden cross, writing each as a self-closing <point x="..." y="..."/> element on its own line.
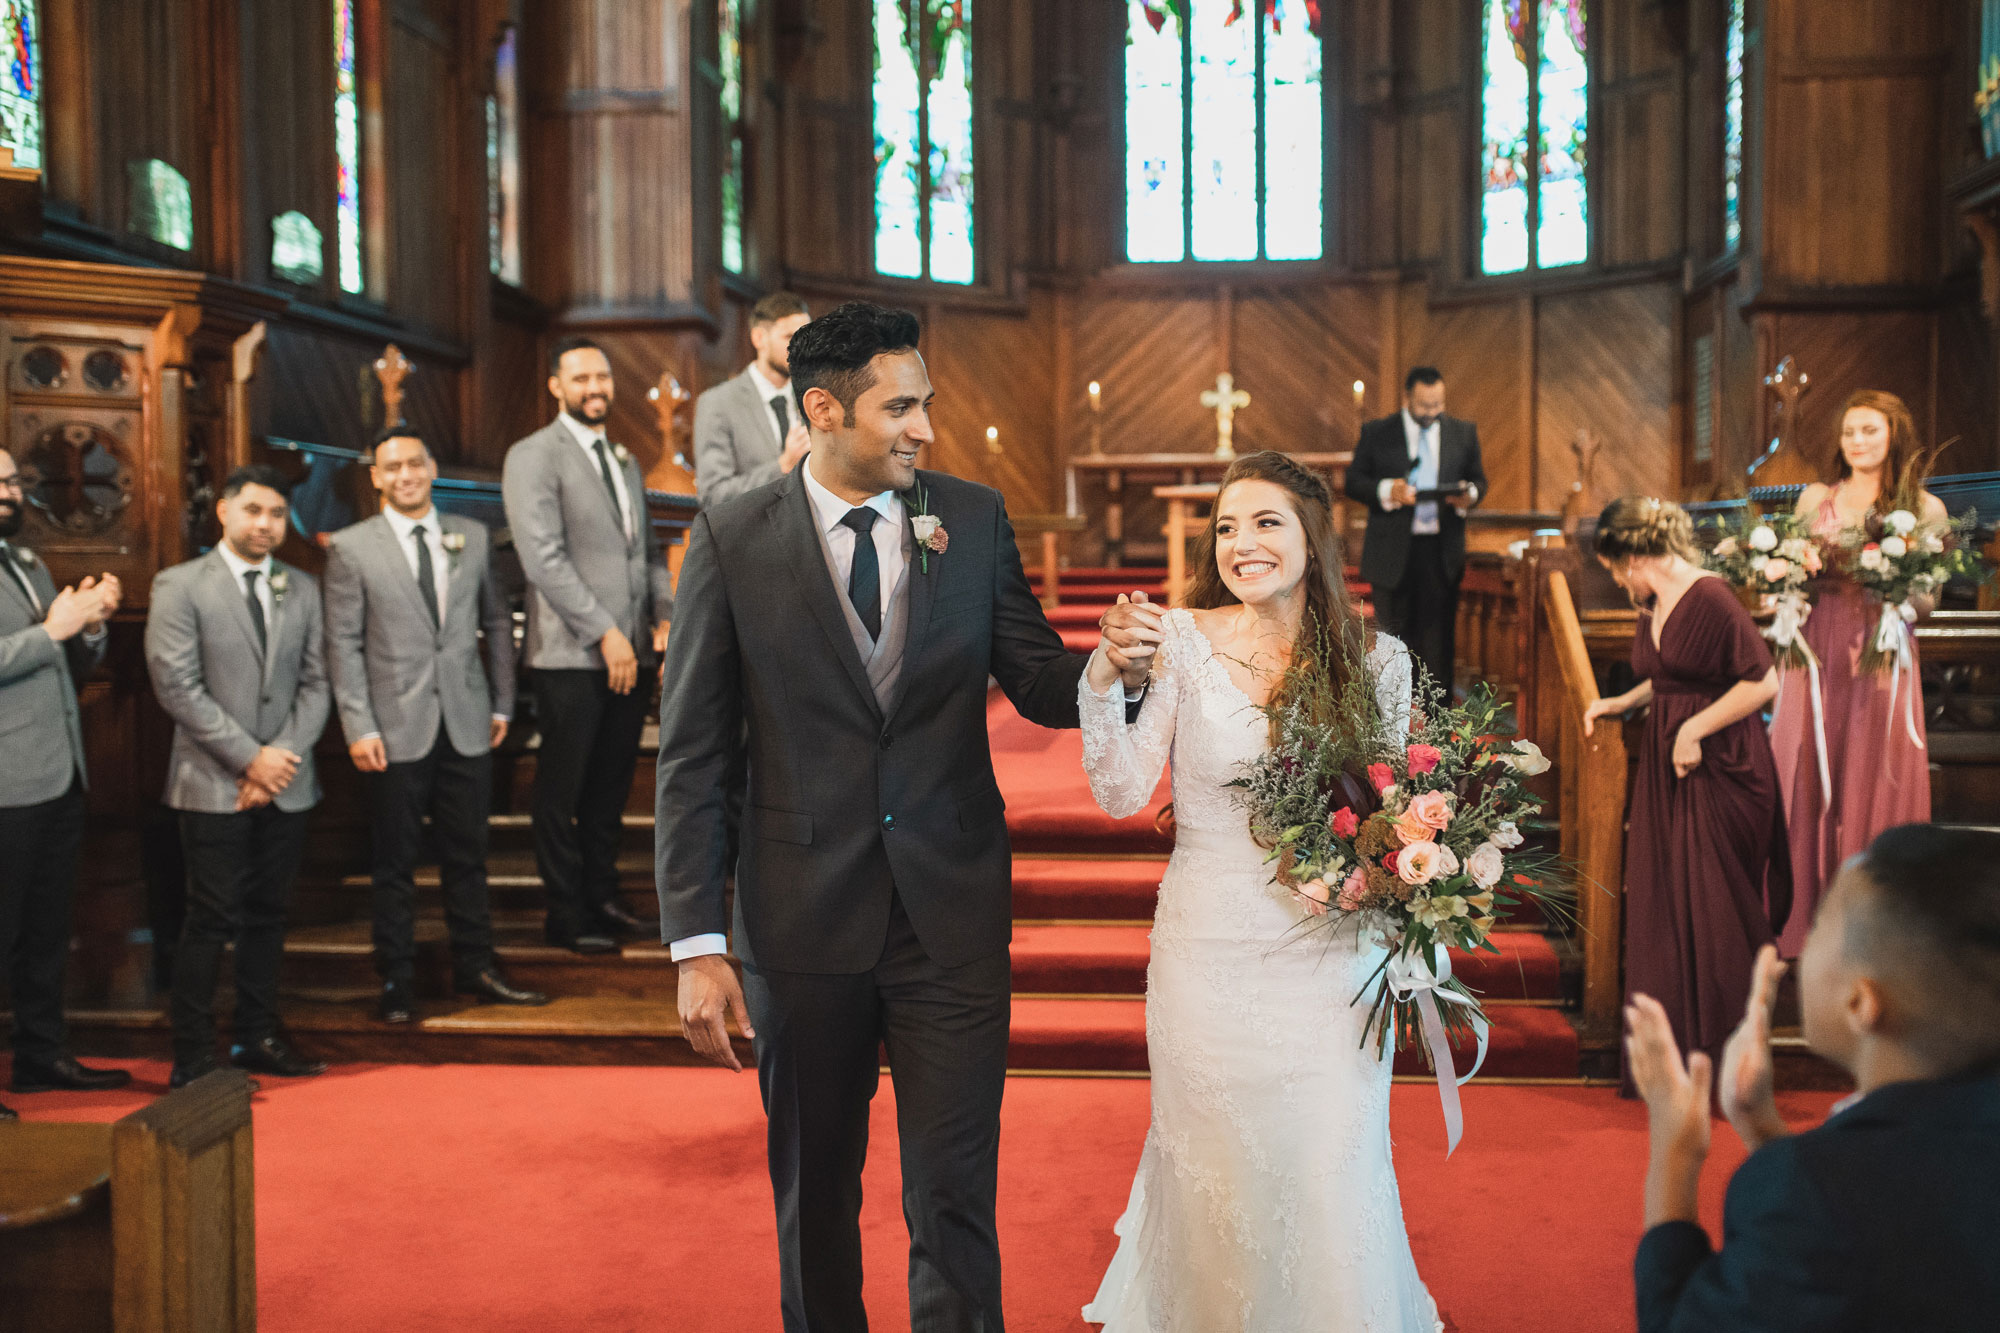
<point x="392" y="368"/>
<point x="1226" y="399"/>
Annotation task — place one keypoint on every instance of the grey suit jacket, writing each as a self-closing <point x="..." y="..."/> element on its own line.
<point x="41" y="730"/>
<point x="584" y="576"/>
<point x="736" y="444"/>
<point x="226" y="703"/>
<point x="396" y="675"/>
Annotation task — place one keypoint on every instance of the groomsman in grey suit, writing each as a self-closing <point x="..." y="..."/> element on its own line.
<point x="49" y="641"/>
<point x="749" y="430"/>
<point x="408" y="593"/>
<point x="599" y="596"/>
<point x="233" y="643"/>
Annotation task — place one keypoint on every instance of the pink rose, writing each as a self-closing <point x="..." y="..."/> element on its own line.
<point x="1422" y="758"/>
<point x="1316" y="895"/>
<point x="1432" y="809"/>
<point x="1410" y="829"/>
<point x="1812" y="561"/>
<point x="1419" y="863"/>
<point x="1353" y="891"/>
<point x="1345" y="823"/>
<point x="1776" y="571"/>
<point x="1486" y="865"/>
<point x="1380" y="777"/>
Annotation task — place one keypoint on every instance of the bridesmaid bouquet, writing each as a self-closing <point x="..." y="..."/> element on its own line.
<point x="1900" y="558"/>
<point x="1771" y="558"/>
<point x="1407" y="829"/>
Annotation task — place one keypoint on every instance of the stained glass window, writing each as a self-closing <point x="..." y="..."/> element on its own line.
<point x="729" y="57"/>
<point x="1201" y="82"/>
<point x="347" y="146"/>
<point x="21" y="82"/>
<point x="296" y="248"/>
<point x="1534" y="201"/>
<point x="923" y="139"/>
<point x="1732" y="129"/>
<point x="159" y="205"/>
<point x="503" y="164"/>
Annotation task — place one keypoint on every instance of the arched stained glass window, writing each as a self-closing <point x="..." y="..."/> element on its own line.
<point x="1202" y="81"/>
<point x="1732" y="129"/>
<point x="923" y="139"/>
<point x="21" y="82"/>
<point x="1534" y="206"/>
<point x="503" y="163"/>
<point x="729" y="60"/>
<point x="347" y="147"/>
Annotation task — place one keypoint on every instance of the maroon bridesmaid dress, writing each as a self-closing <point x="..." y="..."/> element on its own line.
<point x="1707" y="867"/>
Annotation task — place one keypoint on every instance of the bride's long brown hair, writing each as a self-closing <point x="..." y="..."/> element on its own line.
<point x="1330" y="621"/>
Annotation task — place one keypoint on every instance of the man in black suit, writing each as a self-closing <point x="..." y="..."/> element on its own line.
<point x="824" y="627"/>
<point x="1418" y="472"/>
<point x="1884" y="1217"/>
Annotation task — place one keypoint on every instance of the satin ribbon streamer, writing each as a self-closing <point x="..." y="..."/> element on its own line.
<point x="1892" y="639"/>
<point x="1788" y="631"/>
<point x="1411" y="977"/>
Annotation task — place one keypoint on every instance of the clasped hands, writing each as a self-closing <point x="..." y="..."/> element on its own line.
<point x="84" y="608"/>
<point x="268" y="774"/>
<point x="1677" y="1093"/>
<point x="1129" y="634"/>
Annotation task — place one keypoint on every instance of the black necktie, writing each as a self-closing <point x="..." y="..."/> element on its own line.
<point x="8" y="559"/>
<point x="784" y="416"/>
<point x="426" y="574"/>
<point x="604" y="469"/>
<point x="256" y="609"/>
<point x="864" y="577"/>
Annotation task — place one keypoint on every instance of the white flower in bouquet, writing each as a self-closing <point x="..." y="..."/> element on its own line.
<point x="1901" y="522"/>
<point x="1507" y="835"/>
<point x="1794" y="549"/>
<point x="1870" y="558"/>
<point x="1526" y="759"/>
<point x="1485" y="865"/>
<point x="1907" y="612"/>
<point x="1763" y="538"/>
<point x="1934" y="543"/>
<point x="1895" y="547"/>
<point x="1420" y="862"/>
<point x="1436" y="910"/>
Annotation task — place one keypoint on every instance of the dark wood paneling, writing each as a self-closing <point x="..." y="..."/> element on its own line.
<point x="288" y="160"/>
<point x="1604" y="363"/>
<point x="429" y="262"/>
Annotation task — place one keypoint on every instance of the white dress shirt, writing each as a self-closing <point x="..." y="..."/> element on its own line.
<point x="586" y="439"/>
<point x="238" y="567"/>
<point x="1423" y="445"/>
<point x="403" y="526"/>
<point x="767" y="391"/>
<point x="828" y="509"/>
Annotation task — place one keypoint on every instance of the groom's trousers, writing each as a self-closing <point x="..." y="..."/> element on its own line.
<point x="818" y="1036"/>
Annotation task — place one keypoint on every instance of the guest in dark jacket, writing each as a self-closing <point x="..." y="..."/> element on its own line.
<point x="1884" y="1217"/>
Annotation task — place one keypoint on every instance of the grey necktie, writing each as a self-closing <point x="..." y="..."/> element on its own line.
<point x="256" y="609"/>
<point x="864" y="576"/>
<point x="783" y="413"/>
<point x="427" y="586"/>
<point x="604" y="470"/>
<point x="13" y="563"/>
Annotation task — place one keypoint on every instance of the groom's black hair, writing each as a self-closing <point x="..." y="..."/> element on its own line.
<point x="833" y="351"/>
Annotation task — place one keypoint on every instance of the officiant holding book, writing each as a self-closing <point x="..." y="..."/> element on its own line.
<point x="1418" y="472"/>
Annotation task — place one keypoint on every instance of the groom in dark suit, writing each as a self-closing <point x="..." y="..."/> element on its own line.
<point x="840" y="625"/>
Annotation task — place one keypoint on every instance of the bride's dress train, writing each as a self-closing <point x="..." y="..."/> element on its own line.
<point x="1265" y="1200"/>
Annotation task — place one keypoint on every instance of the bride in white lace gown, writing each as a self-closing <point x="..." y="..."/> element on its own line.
<point x="1265" y="1200"/>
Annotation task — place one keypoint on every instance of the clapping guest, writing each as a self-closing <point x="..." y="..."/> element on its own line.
<point x="49" y="641"/>
<point x="1883" y="1217"/>
<point x="233" y="644"/>
<point x="598" y="601"/>
<point x="749" y="430"/>
<point x="408" y="594"/>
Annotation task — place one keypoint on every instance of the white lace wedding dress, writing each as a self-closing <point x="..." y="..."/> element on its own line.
<point x="1265" y="1200"/>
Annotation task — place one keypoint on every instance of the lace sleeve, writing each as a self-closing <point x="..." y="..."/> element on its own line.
<point x="1393" y="682"/>
<point x="1124" y="761"/>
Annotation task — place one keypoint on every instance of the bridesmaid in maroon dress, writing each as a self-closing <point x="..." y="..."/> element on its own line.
<point x="1878" y="773"/>
<point x="1707" y="874"/>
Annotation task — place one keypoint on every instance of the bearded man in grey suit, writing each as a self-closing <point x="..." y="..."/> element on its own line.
<point x="233" y="644"/>
<point x="749" y="430"/>
<point x="49" y="641"/>
<point x="408" y="593"/>
<point x="598" y="600"/>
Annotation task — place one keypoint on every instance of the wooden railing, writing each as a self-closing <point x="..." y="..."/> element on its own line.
<point x="1592" y="773"/>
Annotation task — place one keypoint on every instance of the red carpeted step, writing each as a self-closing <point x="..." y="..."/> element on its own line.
<point x="1049" y="806"/>
<point x="1079" y="640"/>
<point x="1526" y="968"/>
<point x="1080" y="960"/>
<point x="1055" y="889"/>
<point x="1526" y="1041"/>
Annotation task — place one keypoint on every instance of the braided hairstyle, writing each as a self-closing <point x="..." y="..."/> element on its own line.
<point x="1330" y="616"/>
<point x="1639" y="525"/>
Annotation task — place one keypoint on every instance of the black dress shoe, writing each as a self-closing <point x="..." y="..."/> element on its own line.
<point x="491" y="987"/>
<point x="183" y="1075"/>
<point x="398" y="1005"/>
<point x="585" y="943"/>
<point x="618" y="921"/>
<point x="65" y="1075"/>
<point x="273" y="1055"/>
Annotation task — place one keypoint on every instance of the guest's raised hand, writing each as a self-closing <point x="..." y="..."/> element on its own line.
<point x="709" y="992"/>
<point x="1677" y="1094"/>
<point x="1748" y="1099"/>
<point x="110" y="592"/>
<point x="70" y="612"/>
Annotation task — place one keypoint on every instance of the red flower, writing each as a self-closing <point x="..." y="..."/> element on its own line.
<point x="1345" y="823"/>
<point x="1423" y="758"/>
<point x="1389" y="861"/>
<point x="1523" y="879"/>
<point x="1380" y="777"/>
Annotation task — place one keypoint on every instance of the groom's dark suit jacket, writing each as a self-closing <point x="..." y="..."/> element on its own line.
<point x="849" y="800"/>
<point x="1885" y="1218"/>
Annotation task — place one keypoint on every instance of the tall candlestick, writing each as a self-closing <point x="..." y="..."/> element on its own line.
<point x="1096" y="420"/>
<point x="1360" y="392"/>
<point x="992" y="439"/>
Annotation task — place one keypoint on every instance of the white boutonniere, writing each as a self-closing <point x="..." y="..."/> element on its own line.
<point x="621" y="453"/>
<point x="280" y="580"/>
<point x="925" y="526"/>
<point x="25" y="556"/>
<point x="453" y="543"/>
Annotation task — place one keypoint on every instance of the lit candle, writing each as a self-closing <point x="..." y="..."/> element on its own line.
<point x="1096" y="397"/>
<point x="992" y="439"/>
<point x="1360" y="391"/>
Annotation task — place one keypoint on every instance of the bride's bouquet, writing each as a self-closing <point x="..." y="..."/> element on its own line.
<point x="1407" y="830"/>
<point x="1900" y="559"/>
<point x="1771" y="558"/>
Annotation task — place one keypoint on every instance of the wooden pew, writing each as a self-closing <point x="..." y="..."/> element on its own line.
<point x="147" y="1225"/>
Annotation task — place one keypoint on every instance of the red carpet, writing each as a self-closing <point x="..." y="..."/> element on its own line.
<point x="466" y="1197"/>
